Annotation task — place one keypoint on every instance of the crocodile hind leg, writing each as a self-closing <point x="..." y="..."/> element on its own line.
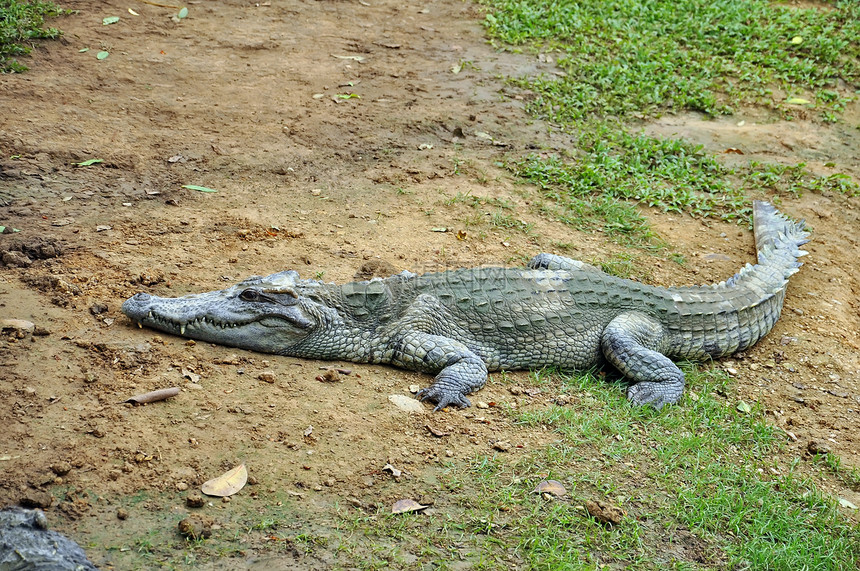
<point x="633" y="342"/>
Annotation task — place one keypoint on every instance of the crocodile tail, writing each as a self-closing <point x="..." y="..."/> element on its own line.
<point x="778" y="238"/>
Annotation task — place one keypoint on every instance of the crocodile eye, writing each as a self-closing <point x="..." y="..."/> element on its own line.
<point x="250" y="294"/>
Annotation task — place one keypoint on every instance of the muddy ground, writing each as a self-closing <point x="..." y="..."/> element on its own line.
<point x="338" y="136"/>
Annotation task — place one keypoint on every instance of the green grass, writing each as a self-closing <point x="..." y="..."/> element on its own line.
<point x="20" y="24"/>
<point x="634" y="58"/>
<point x="623" y="61"/>
<point x="704" y="473"/>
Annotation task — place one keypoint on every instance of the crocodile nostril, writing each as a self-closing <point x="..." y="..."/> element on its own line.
<point x="142" y="296"/>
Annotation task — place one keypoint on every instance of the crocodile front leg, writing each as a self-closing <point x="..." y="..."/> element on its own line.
<point x="633" y="342"/>
<point x="460" y="371"/>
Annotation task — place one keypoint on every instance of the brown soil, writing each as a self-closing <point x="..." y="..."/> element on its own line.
<point x="244" y="97"/>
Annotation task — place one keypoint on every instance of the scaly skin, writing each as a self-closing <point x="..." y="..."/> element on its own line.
<point x="460" y="324"/>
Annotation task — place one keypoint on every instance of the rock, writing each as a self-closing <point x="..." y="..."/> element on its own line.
<point x="36" y="499"/>
<point x="604" y="513"/>
<point x="267" y="377"/>
<point x="27" y="543"/>
<point x="817" y="447"/>
<point x="406" y="404"/>
<point x="195" y="501"/>
<point x="98" y="308"/>
<point x="122" y="514"/>
<point x="17" y="325"/>
<point x="61" y="468"/>
<point x="196" y="527"/>
<point x="16" y="259"/>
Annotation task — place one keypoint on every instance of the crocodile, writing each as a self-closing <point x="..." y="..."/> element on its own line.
<point x="459" y="324"/>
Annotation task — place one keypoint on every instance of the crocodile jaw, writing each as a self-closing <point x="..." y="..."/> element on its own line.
<point x="219" y="317"/>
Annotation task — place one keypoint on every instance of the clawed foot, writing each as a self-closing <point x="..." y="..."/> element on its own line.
<point x="443" y="397"/>
<point x="655" y="394"/>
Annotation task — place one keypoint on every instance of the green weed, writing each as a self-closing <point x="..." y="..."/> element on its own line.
<point x="20" y="24"/>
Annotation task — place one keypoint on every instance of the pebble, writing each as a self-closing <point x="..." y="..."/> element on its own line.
<point x="122" y="514"/>
<point x="267" y="376"/>
<point x="195" y="501"/>
<point x="406" y="404"/>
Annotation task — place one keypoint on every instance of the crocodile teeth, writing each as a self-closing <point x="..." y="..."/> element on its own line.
<point x="139" y="325"/>
<point x="182" y="329"/>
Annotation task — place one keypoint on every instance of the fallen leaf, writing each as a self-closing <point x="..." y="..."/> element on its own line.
<point x="198" y="188"/>
<point x="394" y="471"/>
<point x="132" y="12"/>
<point x="355" y="58"/>
<point x="89" y="162"/>
<point x="553" y="487"/>
<point x="110" y="20"/>
<point x="847" y="504"/>
<point x="403" y="506"/>
<point x="226" y="484"/>
<point x="183" y="13"/>
<point x="744" y="407"/>
<point x="436" y="432"/>
<point x="733" y="151"/>
<point x="797" y="101"/>
<point x="102" y="55"/>
<point x="797" y="40"/>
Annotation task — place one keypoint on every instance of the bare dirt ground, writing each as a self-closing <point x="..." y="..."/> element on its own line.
<point x="254" y="100"/>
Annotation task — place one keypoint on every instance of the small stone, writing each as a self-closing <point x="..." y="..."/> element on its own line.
<point x="267" y="377"/>
<point x="195" y="501"/>
<point x="98" y="308"/>
<point x="181" y="486"/>
<point x="35" y="499"/>
<point x="406" y="404"/>
<point x="817" y="447"/>
<point x="502" y="445"/>
<point x="16" y="259"/>
<point x="122" y="514"/>
<point x="61" y="468"/>
<point x="482" y="404"/>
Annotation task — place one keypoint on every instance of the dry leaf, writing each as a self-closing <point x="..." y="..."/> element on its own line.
<point x="394" y="471"/>
<point x="403" y="506"/>
<point x="228" y="483"/>
<point x="436" y="432"/>
<point x="553" y="487"/>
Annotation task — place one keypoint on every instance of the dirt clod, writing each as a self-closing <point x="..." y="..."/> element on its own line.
<point x="605" y="513"/>
<point x="196" y="527"/>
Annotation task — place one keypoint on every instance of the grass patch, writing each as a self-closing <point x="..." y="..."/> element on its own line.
<point x="20" y="24"/>
<point x="626" y="60"/>
<point x="626" y="57"/>
<point x="704" y="474"/>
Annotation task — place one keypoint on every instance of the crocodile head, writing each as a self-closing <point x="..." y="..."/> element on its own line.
<point x="267" y="314"/>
